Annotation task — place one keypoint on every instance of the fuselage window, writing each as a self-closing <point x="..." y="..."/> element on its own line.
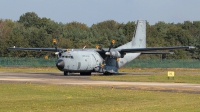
<point x="69" y="57"/>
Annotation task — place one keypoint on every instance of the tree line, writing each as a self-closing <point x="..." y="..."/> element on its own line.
<point x="32" y="31"/>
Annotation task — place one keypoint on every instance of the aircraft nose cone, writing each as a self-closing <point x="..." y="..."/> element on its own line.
<point x="60" y="64"/>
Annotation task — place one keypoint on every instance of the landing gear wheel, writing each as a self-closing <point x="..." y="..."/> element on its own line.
<point x="107" y="73"/>
<point x="66" y="73"/>
<point x="85" y="73"/>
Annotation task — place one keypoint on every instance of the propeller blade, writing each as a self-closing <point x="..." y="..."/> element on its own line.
<point x="55" y="44"/>
<point x="58" y="53"/>
<point x="107" y="53"/>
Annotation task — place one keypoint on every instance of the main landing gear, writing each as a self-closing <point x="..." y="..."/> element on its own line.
<point x="66" y="73"/>
<point x="81" y="73"/>
<point x="85" y="73"/>
<point x="107" y="73"/>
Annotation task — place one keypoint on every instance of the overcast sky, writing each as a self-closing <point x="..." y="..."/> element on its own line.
<point x="95" y="11"/>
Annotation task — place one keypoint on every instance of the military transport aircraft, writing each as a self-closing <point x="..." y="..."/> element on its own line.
<point x="106" y="61"/>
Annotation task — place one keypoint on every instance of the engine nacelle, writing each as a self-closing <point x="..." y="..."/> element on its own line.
<point x="115" y="54"/>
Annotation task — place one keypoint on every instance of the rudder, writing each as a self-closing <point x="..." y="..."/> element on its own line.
<point x="139" y="36"/>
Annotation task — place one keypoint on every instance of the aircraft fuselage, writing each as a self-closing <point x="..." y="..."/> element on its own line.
<point x="79" y="61"/>
<point x="91" y="61"/>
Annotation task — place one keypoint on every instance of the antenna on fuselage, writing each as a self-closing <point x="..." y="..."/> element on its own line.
<point x="84" y="46"/>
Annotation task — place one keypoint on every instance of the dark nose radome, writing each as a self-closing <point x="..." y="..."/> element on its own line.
<point x="60" y="64"/>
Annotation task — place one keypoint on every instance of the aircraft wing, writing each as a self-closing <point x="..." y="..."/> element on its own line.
<point x="49" y="49"/>
<point x="157" y="52"/>
<point x="34" y="49"/>
<point x="153" y="49"/>
<point x="131" y="50"/>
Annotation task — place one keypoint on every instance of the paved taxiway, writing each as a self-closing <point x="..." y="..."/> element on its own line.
<point x="58" y="78"/>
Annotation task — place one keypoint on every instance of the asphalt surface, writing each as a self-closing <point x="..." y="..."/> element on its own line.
<point x="75" y="79"/>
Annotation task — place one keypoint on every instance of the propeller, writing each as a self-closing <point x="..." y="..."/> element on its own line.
<point x="106" y="52"/>
<point x="55" y="44"/>
<point x="58" y="53"/>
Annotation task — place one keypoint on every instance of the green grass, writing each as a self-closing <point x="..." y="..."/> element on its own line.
<point x="181" y="78"/>
<point x="159" y="69"/>
<point x="38" y="97"/>
<point x="154" y="75"/>
<point x="28" y="69"/>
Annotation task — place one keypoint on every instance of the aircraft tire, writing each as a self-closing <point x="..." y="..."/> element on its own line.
<point x="85" y="73"/>
<point x="107" y="73"/>
<point x="66" y="73"/>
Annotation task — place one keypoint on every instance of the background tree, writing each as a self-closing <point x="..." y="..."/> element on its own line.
<point x="29" y="19"/>
<point x="33" y="31"/>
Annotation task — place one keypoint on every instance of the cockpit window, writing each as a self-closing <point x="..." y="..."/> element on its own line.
<point x="69" y="57"/>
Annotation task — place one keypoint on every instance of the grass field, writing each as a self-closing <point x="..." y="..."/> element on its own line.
<point x="28" y="69"/>
<point x="155" y="75"/>
<point x="159" y="69"/>
<point x="180" y="78"/>
<point x="51" y="98"/>
<point x="38" y="97"/>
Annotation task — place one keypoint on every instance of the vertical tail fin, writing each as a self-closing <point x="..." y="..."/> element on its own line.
<point x="139" y="37"/>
